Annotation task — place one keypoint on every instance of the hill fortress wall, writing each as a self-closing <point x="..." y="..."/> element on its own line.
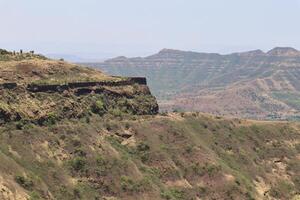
<point x="74" y="85"/>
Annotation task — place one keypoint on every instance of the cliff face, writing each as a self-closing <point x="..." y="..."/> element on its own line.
<point x="44" y="91"/>
<point x="220" y="84"/>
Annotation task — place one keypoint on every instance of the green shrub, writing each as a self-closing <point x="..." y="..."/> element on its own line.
<point x="24" y="182"/>
<point x="172" y="194"/>
<point x="189" y="149"/>
<point x="49" y="119"/>
<point x="142" y="147"/>
<point x="19" y="125"/>
<point x="34" y="196"/>
<point x="23" y="124"/>
<point x="200" y="170"/>
<point x="282" y="190"/>
<point x="87" y="119"/>
<point x="127" y="184"/>
<point x="80" y="152"/>
<point x="78" y="164"/>
<point x="127" y="125"/>
<point x="212" y="169"/>
<point x="100" y="160"/>
<point x="130" y="185"/>
<point x="98" y="107"/>
<point x="143" y="151"/>
<point x="116" y="112"/>
<point x="52" y="117"/>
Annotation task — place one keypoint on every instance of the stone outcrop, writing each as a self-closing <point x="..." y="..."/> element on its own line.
<point x="76" y="85"/>
<point x="62" y="87"/>
<point x="75" y="100"/>
<point x="8" y="85"/>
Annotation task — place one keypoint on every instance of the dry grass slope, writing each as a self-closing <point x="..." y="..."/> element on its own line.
<point x="178" y="156"/>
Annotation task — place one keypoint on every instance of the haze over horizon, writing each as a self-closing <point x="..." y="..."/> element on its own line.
<point x="90" y="30"/>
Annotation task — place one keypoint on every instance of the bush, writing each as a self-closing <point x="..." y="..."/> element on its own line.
<point x="80" y="152"/>
<point x="171" y="194"/>
<point x="98" y="108"/>
<point x="87" y="119"/>
<point x="24" y="182"/>
<point x="49" y="119"/>
<point x="78" y="164"/>
<point x="34" y="196"/>
<point x="127" y="126"/>
<point x="200" y="170"/>
<point x="100" y="160"/>
<point x="127" y="184"/>
<point x="116" y="112"/>
<point x="142" y="147"/>
<point x="282" y="190"/>
<point x="143" y="151"/>
<point x="130" y="185"/>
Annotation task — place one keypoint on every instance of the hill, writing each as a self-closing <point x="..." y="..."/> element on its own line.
<point x="69" y="132"/>
<point x="250" y="84"/>
<point x="179" y="156"/>
<point x="40" y="90"/>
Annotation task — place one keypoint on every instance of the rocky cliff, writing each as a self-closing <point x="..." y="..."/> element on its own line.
<point x="43" y="91"/>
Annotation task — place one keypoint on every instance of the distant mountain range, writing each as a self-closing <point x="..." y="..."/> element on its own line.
<point x="250" y="84"/>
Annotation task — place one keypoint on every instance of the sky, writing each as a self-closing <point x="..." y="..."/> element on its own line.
<point x="98" y="29"/>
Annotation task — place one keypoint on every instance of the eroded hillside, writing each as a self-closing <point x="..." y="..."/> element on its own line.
<point x="250" y="85"/>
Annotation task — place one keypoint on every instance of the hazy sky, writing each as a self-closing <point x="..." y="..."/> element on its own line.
<point x="98" y="28"/>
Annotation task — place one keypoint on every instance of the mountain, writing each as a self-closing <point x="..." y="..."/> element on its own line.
<point x="250" y="84"/>
<point x="70" y="132"/>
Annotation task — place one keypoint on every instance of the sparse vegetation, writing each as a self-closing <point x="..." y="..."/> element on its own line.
<point x="24" y="182"/>
<point x="69" y="145"/>
<point x="98" y="107"/>
<point x="172" y="194"/>
<point x="78" y="163"/>
<point x="165" y="151"/>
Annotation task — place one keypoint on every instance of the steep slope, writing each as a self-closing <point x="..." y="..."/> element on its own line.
<point x="266" y="85"/>
<point x="42" y="91"/>
<point x="180" y="156"/>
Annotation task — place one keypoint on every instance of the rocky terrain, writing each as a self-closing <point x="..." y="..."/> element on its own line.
<point x="251" y="84"/>
<point x="69" y="132"/>
<point x="42" y="91"/>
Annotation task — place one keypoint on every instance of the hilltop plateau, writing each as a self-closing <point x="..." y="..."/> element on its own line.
<point x="40" y="90"/>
